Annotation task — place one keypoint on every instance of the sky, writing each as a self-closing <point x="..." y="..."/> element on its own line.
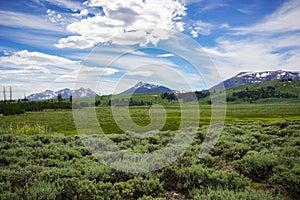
<point x="110" y="45"/>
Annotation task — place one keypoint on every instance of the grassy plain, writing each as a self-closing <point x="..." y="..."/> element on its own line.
<point x="62" y="121"/>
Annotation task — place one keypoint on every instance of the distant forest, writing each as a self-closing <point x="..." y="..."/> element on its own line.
<point x="16" y="107"/>
<point x="262" y="93"/>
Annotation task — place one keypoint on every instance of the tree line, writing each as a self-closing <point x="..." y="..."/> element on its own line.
<point x="262" y="93"/>
<point x="22" y="106"/>
<point x="185" y="97"/>
<point x="128" y="102"/>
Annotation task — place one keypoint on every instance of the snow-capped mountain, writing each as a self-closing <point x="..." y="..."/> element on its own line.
<point x="244" y="78"/>
<point x="48" y="94"/>
<point x="65" y="93"/>
<point x="80" y="93"/>
<point x="145" y="88"/>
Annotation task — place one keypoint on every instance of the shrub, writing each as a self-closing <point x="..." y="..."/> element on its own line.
<point x="257" y="165"/>
<point x="288" y="179"/>
<point x="225" y="194"/>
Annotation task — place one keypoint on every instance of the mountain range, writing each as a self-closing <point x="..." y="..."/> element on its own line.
<point x="244" y="78"/>
<point x="146" y="88"/>
<point x="65" y="93"/>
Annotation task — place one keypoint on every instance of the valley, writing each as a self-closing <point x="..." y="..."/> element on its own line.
<point x="255" y="157"/>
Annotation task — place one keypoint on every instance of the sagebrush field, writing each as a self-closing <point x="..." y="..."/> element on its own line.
<point x="252" y="160"/>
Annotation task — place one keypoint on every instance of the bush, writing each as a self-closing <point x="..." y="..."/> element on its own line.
<point x="289" y="179"/>
<point x="198" y="176"/>
<point x="257" y="165"/>
<point x="224" y="194"/>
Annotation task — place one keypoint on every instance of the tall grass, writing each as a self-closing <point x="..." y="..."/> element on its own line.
<point x="27" y="129"/>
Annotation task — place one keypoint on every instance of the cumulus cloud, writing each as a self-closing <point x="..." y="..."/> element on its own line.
<point x="121" y="23"/>
<point x="55" y="17"/>
<point x="82" y="13"/>
<point x="37" y="71"/>
<point x="198" y="27"/>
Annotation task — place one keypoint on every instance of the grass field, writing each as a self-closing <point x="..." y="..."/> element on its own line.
<point x="62" y="121"/>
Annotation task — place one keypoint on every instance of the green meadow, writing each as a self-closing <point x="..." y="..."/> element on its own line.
<point x="61" y="121"/>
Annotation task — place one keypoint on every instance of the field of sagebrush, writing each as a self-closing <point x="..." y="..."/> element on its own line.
<point x="252" y="160"/>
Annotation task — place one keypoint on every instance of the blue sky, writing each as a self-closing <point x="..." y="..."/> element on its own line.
<point x="48" y="44"/>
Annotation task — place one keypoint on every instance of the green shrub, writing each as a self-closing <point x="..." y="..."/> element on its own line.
<point x="198" y="176"/>
<point x="224" y="194"/>
<point x="257" y="165"/>
<point x="289" y="179"/>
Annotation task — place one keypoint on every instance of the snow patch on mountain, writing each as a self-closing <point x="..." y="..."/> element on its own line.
<point x="244" y="78"/>
<point x="65" y="93"/>
<point x="145" y="88"/>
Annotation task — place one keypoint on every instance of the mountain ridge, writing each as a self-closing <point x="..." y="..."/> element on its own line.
<point x="146" y="88"/>
<point x="244" y="78"/>
<point x="65" y="93"/>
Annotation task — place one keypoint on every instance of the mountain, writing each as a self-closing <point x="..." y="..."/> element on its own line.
<point x="244" y="78"/>
<point x="80" y="93"/>
<point x="146" y="88"/>
<point x="65" y="93"/>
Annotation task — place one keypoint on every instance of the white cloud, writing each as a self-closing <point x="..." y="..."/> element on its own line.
<point x="25" y="58"/>
<point x="165" y="55"/>
<point x="271" y="44"/>
<point x="73" y="5"/>
<point x="187" y="2"/>
<point x="146" y="73"/>
<point x="255" y="54"/>
<point x="86" y="74"/>
<point x="122" y="21"/>
<point x="225" y="26"/>
<point x="82" y="13"/>
<point x="6" y="52"/>
<point x="245" y="11"/>
<point x="101" y="71"/>
<point x="283" y="20"/>
<point x="127" y="62"/>
<point x="30" y="70"/>
<point x="34" y="70"/>
<point x="200" y="28"/>
<point x="55" y="17"/>
<point x="37" y="71"/>
<point x="213" y="4"/>
<point x="17" y="20"/>
<point x="38" y="38"/>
